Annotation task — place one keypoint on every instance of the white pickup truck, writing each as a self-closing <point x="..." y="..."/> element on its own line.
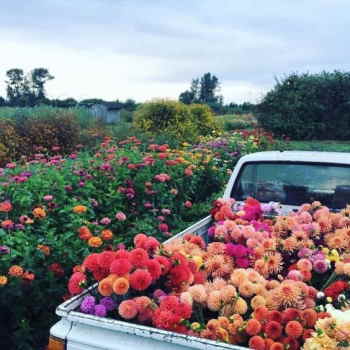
<point x="291" y="178"/>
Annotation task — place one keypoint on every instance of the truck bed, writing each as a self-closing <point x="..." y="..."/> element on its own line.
<point x="88" y="332"/>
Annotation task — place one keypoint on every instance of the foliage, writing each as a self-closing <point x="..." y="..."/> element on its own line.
<point x="308" y="106"/>
<point x="175" y="118"/>
<point x="48" y="205"/>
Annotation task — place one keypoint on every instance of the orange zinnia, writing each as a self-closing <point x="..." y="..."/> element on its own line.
<point x="3" y="280"/>
<point x="44" y="248"/>
<point x="78" y="209"/>
<point x="105" y="287"/>
<point x="39" y="213"/>
<point x="84" y="233"/>
<point x="121" y="286"/>
<point x="106" y="235"/>
<point x="16" y="271"/>
<point x="95" y="242"/>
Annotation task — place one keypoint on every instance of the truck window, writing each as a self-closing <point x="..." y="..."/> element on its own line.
<point x="294" y="183"/>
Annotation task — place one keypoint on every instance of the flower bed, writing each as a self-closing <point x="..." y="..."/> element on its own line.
<point x="54" y="211"/>
<point x="262" y="283"/>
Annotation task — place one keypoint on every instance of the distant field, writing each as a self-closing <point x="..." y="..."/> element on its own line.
<point x="237" y="121"/>
<point x="327" y="146"/>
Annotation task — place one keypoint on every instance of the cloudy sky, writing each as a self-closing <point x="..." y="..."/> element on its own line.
<point x="143" y="49"/>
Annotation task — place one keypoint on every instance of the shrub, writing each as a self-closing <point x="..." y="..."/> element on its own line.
<point x="175" y="118"/>
<point x="308" y="106"/>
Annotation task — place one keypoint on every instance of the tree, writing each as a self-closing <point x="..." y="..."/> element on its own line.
<point x="15" y="85"/>
<point x="204" y="90"/>
<point x="38" y="79"/>
<point x="27" y="90"/>
<point x="191" y="96"/>
<point x="209" y="85"/>
<point x="2" y="102"/>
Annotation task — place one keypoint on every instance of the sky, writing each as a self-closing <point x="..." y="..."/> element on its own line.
<point x="144" y="49"/>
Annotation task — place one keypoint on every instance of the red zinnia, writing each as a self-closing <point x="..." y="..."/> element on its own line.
<point x="275" y="316"/>
<point x="290" y="314"/>
<point x="75" y="283"/>
<point x="294" y="329"/>
<point x="309" y="316"/>
<point x="257" y="343"/>
<point x="253" y="327"/>
<point x="180" y="274"/>
<point x="165" y="264"/>
<point x="105" y="259"/>
<point x="273" y="329"/>
<point x="154" y="269"/>
<point x="122" y="254"/>
<point x="120" y="267"/>
<point x="138" y="257"/>
<point x="277" y="346"/>
<point x="140" y="280"/>
<point x="91" y="262"/>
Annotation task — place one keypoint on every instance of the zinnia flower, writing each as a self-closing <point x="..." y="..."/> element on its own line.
<point x="95" y="242"/>
<point x="253" y="327"/>
<point x="273" y="329"/>
<point x="16" y="271"/>
<point x="3" y="280"/>
<point x="138" y="257"/>
<point x="108" y="303"/>
<point x="79" y="209"/>
<point x="100" y="310"/>
<point x="120" y="267"/>
<point x="127" y="309"/>
<point x="120" y="216"/>
<point x="140" y="279"/>
<point x="76" y="283"/>
<point x="87" y="306"/>
<point x="294" y="329"/>
<point x="105" y="287"/>
<point x="120" y="286"/>
<point x="256" y="343"/>
<point x="106" y="235"/>
<point x="5" y="207"/>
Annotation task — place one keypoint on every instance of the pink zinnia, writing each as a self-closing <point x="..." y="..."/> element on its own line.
<point x="127" y="309"/>
<point x="120" y="216"/>
<point x="320" y="266"/>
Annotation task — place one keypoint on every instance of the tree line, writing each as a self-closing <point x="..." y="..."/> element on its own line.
<point x="28" y="90"/>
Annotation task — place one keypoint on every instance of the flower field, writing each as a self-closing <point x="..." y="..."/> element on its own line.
<point x="56" y="210"/>
<point x="273" y="284"/>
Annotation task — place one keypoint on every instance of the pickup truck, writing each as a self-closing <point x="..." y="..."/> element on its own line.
<point x="290" y="178"/>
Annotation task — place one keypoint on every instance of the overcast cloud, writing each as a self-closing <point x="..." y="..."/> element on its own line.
<point x="153" y="48"/>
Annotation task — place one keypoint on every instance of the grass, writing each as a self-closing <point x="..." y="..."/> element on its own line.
<point x="325" y="146"/>
<point x="231" y="122"/>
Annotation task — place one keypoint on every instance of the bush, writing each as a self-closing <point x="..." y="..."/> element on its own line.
<point x="308" y="106"/>
<point x="26" y="131"/>
<point x="185" y="122"/>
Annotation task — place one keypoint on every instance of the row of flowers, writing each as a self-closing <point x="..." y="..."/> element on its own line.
<point x="273" y="284"/>
<point x="54" y="211"/>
